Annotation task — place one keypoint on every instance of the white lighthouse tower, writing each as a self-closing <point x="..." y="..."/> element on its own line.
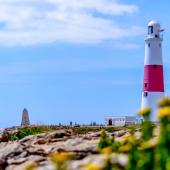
<point x="153" y="83"/>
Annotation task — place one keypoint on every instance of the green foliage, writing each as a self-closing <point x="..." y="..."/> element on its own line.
<point x="27" y="131"/>
<point x="13" y="137"/>
<point x="147" y="130"/>
<point x="162" y="154"/>
<point x="145" y="153"/>
<point x="86" y="129"/>
<point x="164" y="102"/>
<point x="133" y="156"/>
<point x="104" y="141"/>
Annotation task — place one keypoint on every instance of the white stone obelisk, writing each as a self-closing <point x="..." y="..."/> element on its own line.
<point x="25" y="118"/>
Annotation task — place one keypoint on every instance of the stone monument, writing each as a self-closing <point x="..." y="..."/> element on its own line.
<point x="25" y="118"/>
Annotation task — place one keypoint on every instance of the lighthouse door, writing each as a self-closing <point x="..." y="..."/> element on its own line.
<point x="110" y="122"/>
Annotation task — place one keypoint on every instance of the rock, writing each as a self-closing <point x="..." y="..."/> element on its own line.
<point x="92" y="159"/>
<point x="79" y="144"/>
<point x="120" y="133"/>
<point x="9" y="150"/>
<point x="22" y="155"/>
<point x="59" y="134"/>
<point x="99" y="160"/>
<point x="22" y="166"/>
<point x="138" y="135"/>
<point x="4" y="135"/>
<point x="46" y="166"/>
<point x="56" y="140"/>
<point x="120" y="159"/>
<point x="28" y="140"/>
<point x="92" y="135"/>
<point x="13" y="131"/>
<point x="33" y="150"/>
<point x="16" y="161"/>
<point x="3" y="164"/>
<point x="38" y="148"/>
<point x="36" y="158"/>
<point x="23" y="163"/>
<point x="40" y="141"/>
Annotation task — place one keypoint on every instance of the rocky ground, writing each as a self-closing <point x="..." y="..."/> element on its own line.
<point x="18" y="155"/>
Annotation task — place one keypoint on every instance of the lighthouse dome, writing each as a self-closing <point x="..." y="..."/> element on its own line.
<point x="153" y="28"/>
<point x="153" y="23"/>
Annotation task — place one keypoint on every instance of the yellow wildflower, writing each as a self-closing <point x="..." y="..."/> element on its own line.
<point x="164" y="112"/>
<point x="126" y="136"/>
<point x="152" y="143"/>
<point x="106" y="150"/>
<point x="144" y="112"/>
<point x="32" y="166"/>
<point x="61" y="157"/>
<point x="93" y="167"/>
<point x="107" y="159"/>
<point x="126" y="148"/>
<point x="164" y="102"/>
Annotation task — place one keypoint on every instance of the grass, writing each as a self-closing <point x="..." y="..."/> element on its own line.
<point x="27" y="131"/>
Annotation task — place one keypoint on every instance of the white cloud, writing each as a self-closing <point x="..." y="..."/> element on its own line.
<point x="110" y="7"/>
<point x="31" y="22"/>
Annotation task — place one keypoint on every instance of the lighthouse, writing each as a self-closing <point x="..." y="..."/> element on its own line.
<point x="153" y="83"/>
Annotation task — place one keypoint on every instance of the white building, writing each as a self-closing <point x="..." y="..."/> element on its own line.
<point x="121" y="121"/>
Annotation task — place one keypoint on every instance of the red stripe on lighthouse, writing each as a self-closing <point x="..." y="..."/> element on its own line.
<point x="153" y="78"/>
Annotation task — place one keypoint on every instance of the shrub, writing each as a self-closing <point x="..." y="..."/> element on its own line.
<point x="13" y="137"/>
<point x="23" y="132"/>
<point x="104" y="141"/>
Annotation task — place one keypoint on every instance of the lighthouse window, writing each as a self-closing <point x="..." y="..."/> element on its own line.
<point x="146" y="84"/>
<point x="150" y="30"/>
<point x="149" y="45"/>
<point x="160" y="45"/>
<point x="145" y="94"/>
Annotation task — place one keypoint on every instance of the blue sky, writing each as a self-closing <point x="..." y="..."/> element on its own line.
<point x="75" y="60"/>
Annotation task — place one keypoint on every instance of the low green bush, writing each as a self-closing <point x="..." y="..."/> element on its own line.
<point x="13" y="137"/>
<point x="27" y="131"/>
